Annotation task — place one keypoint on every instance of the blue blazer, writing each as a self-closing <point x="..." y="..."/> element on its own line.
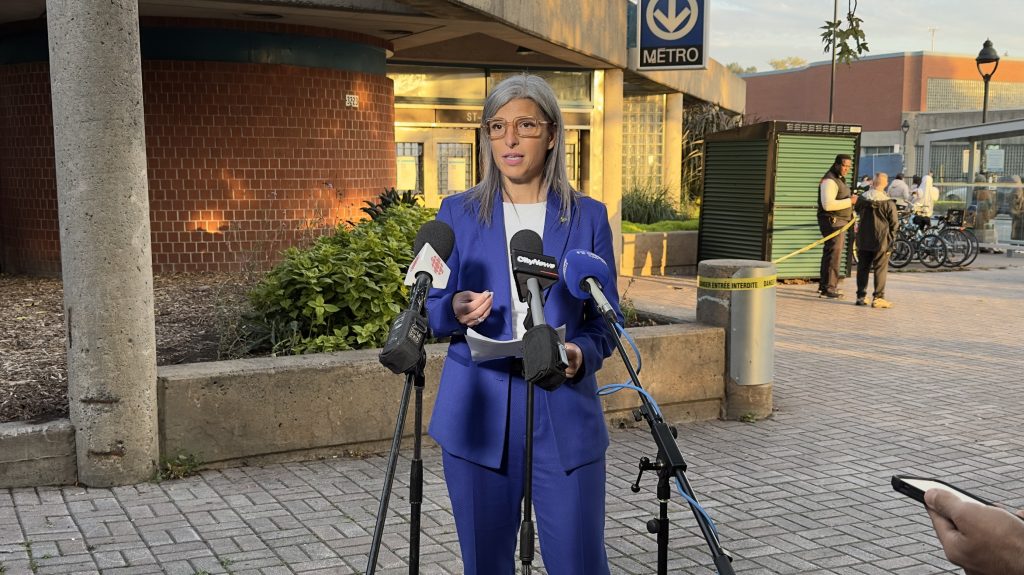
<point x="470" y="412"/>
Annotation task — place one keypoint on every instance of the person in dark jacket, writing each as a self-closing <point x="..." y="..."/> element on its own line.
<point x="876" y="231"/>
<point x="835" y="210"/>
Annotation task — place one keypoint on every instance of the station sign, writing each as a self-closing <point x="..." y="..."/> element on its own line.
<point x="672" y="34"/>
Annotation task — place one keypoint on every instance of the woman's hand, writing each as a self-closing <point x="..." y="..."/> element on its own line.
<point x="472" y="308"/>
<point x="575" y="356"/>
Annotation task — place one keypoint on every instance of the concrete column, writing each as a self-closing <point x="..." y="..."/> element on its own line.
<point x="739" y="295"/>
<point x="103" y="207"/>
<point x="606" y="150"/>
<point x="672" y="162"/>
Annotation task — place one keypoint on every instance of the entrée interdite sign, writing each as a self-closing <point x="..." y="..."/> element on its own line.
<point x="672" y="34"/>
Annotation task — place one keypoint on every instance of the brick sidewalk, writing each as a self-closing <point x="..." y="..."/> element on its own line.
<point x="930" y="387"/>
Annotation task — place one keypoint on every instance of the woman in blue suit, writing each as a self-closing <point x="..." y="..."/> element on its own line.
<point x="479" y="415"/>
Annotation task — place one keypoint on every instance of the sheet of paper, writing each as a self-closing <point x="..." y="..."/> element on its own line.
<point x="408" y="168"/>
<point x="483" y="348"/>
<point x="457" y="169"/>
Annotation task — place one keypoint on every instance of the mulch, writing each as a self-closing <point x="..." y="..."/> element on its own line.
<point x="195" y="320"/>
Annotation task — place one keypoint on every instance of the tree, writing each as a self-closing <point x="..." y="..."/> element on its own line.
<point x="787" y="63"/>
<point x="699" y="120"/>
<point x="736" y="68"/>
<point x="849" y="42"/>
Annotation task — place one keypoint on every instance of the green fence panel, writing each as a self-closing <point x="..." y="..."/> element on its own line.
<point x="800" y="163"/>
<point x="733" y="209"/>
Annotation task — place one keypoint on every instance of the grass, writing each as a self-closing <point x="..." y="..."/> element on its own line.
<point x="180" y="466"/>
<point x="662" y="226"/>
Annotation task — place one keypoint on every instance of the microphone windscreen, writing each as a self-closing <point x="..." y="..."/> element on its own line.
<point x="527" y="241"/>
<point x="440" y="237"/>
<point x="581" y="264"/>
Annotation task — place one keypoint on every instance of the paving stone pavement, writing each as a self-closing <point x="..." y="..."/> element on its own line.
<point x="929" y="387"/>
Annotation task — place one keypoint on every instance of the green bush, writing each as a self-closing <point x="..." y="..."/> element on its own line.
<point x="340" y="293"/>
<point x="388" y="199"/>
<point x="689" y="208"/>
<point x="646" y="204"/>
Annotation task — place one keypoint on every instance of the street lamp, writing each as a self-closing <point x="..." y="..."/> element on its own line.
<point x="988" y="55"/>
<point x="905" y="126"/>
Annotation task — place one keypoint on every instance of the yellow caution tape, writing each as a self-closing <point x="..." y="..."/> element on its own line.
<point x="821" y="241"/>
<point x="736" y="283"/>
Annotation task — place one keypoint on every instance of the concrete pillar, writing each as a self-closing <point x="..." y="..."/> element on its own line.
<point x="606" y="149"/>
<point x="672" y="162"/>
<point x="739" y="295"/>
<point x="103" y="208"/>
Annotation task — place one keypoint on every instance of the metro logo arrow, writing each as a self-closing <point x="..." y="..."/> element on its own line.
<point x="670" y="22"/>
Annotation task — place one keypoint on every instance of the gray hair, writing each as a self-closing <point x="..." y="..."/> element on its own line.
<point x="555" y="175"/>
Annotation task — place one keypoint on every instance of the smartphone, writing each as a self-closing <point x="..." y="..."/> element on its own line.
<point x="914" y="487"/>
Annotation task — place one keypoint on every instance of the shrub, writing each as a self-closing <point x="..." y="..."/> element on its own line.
<point x="340" y="293"/>
<point x="689" y="208"/>
<point x="646" y="204"/>
<point x="388" y="199"/>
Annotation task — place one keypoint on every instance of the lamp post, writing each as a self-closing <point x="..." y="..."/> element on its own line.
<point x="905" y="127"/>
<point x="988" y="55"/>
<point x="832" y="77"/>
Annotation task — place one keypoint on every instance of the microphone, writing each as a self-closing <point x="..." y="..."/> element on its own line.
<point x="544" y="358"/>
<point x="586" y="274"/>
<point x="528" y="261"/>
<point x="404" y="346"/>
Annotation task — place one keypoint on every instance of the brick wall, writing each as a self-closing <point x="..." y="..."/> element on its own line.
<point x="29" y="234"/>
<point x="872" y="92"/>
<point x="244" y="160"/>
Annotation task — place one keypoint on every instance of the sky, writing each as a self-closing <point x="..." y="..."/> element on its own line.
<point x="752" y="32"/>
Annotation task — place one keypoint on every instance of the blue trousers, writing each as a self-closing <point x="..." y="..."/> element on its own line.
<point x="569" y="507"/>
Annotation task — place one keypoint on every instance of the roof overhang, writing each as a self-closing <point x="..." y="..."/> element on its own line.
<point x="1006" y="129"/>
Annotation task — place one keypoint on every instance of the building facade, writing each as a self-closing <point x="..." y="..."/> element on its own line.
<point x="929" y="91"/>
<point x="272" y="123"/>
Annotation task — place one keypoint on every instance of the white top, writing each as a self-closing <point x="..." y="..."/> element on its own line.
<point x="521" y="217"/>
<point x="923" y="197"/>
<point x="899" y="190"/>
<point x="829" y="190"/>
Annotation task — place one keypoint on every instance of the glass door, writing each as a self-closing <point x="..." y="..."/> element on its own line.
<point x="438" y="162"/>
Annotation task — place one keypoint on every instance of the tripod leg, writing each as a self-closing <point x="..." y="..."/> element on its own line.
<point x="526" y="531"/>
<point x="389" y="478"/>
<point x="416" y="478"/>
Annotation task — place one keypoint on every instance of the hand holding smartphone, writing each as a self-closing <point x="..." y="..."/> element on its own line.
<point x="914" y="487"/>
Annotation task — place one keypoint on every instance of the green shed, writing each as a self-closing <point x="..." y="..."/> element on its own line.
<point x="760" y="197"/>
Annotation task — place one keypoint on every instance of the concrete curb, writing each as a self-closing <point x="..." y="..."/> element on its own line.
<point x="263" y="410"/>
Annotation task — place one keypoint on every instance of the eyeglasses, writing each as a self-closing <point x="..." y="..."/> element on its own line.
<point x="524" y="127"/>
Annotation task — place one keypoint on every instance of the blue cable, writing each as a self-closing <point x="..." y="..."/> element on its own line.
<point x="616" y="387"/>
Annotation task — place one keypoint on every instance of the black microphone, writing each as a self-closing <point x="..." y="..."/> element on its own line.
<point x="404" y="346"/>
<point x="544" y="359"/>
<point x="528" y="261"/>
<point x="586" y="274"/>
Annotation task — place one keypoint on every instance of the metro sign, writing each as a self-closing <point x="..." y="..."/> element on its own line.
<point x="672" y="34"/>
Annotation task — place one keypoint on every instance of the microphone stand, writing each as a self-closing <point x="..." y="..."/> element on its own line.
<point x="535" y="302"/>
<point x="669" y="465"/>
<point x="414" y="378"/>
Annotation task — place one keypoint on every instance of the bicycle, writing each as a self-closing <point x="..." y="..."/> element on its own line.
<point x="961" y="243"/>
<point x="912" y="241"/>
